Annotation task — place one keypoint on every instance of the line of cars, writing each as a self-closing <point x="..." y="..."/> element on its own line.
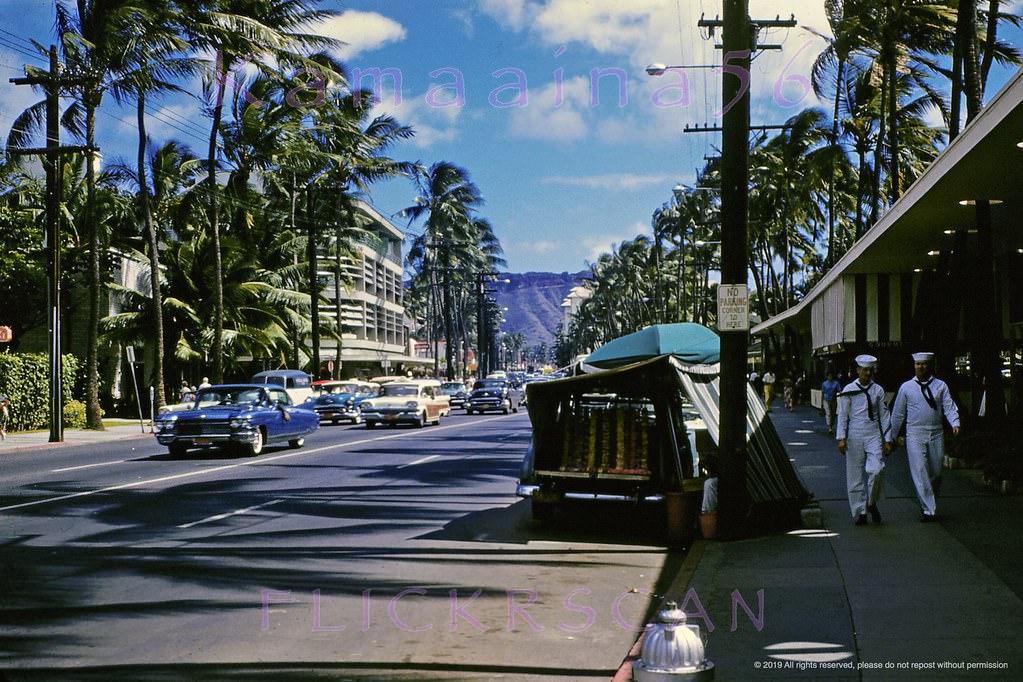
<point x="284" y="406"/>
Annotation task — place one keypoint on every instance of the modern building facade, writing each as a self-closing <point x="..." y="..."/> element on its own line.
<point x="376" y="338"/>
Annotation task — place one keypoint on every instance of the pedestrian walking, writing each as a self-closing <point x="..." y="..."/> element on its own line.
<point x="788" y="393"/>
<point x="768" y="380"/>
<point x="863" y="428"/>
<point x="829" y="399"/>
<point x="923" y="404"/>
<point x="205" y="383"/>
<point x="5" y="415"/>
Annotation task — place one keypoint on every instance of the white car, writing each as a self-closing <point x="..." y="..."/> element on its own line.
<point x="415" y="402"/>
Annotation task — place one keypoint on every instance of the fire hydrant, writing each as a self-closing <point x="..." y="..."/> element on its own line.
<point x="672" y="650"/>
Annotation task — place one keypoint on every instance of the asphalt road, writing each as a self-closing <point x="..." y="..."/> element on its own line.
<point x="367" y="554"/>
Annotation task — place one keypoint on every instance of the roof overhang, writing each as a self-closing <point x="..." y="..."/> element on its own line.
<point x="985" y="161"/>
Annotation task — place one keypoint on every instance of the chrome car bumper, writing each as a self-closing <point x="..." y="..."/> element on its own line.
<point x="529" y="490"/>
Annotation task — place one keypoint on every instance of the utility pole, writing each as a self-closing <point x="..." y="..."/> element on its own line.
<point x="737" y="47"/>
<point x="51" y="154"/>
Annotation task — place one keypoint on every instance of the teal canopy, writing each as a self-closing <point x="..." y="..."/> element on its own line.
<point x="691" y="343"/>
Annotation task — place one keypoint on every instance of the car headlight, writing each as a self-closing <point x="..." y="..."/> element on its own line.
<point x="240" y="422"/>
<point x="412" y="403"/>
<point x="166" y="424"/>
<point x="350" y="402"/>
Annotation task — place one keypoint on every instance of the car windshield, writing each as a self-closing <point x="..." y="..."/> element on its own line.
<point x="490" y="383"/>
<point x="237" y="395"/>
<point x="400" y="390"/>
<point x="451" y="388"/>
<point x="330" y="399"/>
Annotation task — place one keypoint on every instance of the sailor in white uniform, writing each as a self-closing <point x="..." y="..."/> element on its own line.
<point x="922" y="404"/>
<point x="862" y="432"/>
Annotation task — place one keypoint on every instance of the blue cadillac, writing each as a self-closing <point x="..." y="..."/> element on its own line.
<point x="244" y="417"/>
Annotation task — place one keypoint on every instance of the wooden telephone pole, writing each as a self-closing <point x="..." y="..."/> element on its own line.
<point x="51" y="154"/>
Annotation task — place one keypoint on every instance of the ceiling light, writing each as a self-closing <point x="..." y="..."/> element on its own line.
<point x="918" y="269"/>
<point x="973" y="202"/>
<point x="954" y="231"/>
<point x="934" y="253"/>
<point x="1020" y="145"/>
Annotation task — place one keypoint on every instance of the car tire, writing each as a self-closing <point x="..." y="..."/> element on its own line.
<point x="253" y="449"/>
<point x="335" y="422"/>
<point x="421" y="421"/>
<point x="370" y="425"/>
<point x="296" y="443"/>
<point x="177" y="450"/>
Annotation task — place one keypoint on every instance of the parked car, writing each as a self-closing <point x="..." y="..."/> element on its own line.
<point x="341" y="400"/>
<point x="456" y="393"/>
<point x="239" y="416"/>
<point x="406" y="402"/>
<point x="493" y="395"/>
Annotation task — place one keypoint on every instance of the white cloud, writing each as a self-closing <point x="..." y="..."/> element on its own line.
<point x="361" y="31"/>
<point x="554" y="113"/>
<point x="611" y="181"/>
<point x="511" y="13"/>
<point x="594" y="245"/>
<point x="632" y="34"/>
<point x="433" y="124"/>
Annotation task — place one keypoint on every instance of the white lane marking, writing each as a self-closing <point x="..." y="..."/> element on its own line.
<point x="419" y="461"/>
<point x="87" y="466"/>
<point x="226" y="467"/>
<point x="237" y="512"/>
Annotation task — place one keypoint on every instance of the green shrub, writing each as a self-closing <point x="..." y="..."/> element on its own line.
<point x="24" y="379"/>
<point x="74" y="415"/>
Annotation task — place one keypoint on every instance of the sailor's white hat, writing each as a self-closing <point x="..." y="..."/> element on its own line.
<point x="868" y="361"/>
<point x="923" y="357"/>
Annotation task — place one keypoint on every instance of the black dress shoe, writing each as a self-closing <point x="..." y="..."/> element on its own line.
<point x="926" y="518"/>
<point x="862" y="520"/>
<point x="875" y="513"/>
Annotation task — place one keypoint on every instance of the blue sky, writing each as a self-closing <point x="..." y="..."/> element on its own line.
<point x="505" y="88"/>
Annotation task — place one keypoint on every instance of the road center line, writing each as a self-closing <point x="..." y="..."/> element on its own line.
<point x="86" y="466"/>
<point x="227" y="467"/>
<point x="419" y="461"/>
<point x="237" y="512"/>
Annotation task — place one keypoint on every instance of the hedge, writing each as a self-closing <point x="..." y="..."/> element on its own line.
<point x="25" y="380"/>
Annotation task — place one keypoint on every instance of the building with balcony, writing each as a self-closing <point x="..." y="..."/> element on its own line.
<point x="376" y="334"/>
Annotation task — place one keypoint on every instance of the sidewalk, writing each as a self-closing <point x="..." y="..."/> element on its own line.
<point x="30" y="440"/>
<point x="899" y="600"/>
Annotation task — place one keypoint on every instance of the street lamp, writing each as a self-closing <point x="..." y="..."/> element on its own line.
<point x="660" y="69"/>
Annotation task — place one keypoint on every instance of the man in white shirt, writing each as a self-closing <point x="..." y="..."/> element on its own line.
<point x="862" y="432"/>
<point x="922" y="404"/>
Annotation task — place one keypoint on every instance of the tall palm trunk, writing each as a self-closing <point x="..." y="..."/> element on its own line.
<point x="314" y="285"/>
<point x="338" y="308"/>
<point x="839" y="77"/>
<point x="875" y="199"/>
<point x="990" y="38"/>
<point x="221" y="68"/>
<point x="971" y="60"/>
<point x="154" y="254"/>
<point x="93" y="413"/>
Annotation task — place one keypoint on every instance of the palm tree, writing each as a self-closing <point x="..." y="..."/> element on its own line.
<point x="447" y="198"/>
<point x="92" y="39"/>
<point x="352" y="150"/>
<point x="234" y="31"/>
<point x="156" y="53"/>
